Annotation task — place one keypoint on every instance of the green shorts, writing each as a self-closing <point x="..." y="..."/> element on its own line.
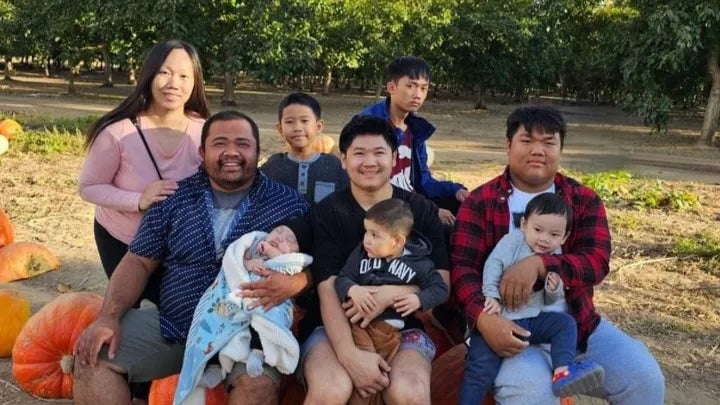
<point x="145" y="355"/>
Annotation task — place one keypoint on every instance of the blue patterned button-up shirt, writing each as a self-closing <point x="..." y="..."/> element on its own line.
<point x="179" y="234"/>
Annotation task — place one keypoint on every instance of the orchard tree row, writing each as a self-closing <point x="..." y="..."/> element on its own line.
<point x="651" y="57"/>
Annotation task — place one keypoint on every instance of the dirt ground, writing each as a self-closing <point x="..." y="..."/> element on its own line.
<point x="669" y="303"/>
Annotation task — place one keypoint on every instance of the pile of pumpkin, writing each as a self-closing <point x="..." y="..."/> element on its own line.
<point x="8" y="129"/>
<point x="20" y="260"/>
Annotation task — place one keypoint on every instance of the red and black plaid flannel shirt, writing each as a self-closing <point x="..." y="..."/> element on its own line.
<point x="484" y="218"/>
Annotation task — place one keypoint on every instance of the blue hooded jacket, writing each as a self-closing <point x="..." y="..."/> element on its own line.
<point x="421" y="130"/>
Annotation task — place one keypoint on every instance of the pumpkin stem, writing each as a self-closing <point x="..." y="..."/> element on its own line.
<point x="67" y="362"/>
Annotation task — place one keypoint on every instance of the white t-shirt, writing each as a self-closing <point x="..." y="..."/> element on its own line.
<point x="517" y="201"/>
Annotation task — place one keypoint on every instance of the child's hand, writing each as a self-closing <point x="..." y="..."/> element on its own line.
<point x="406" y="304"/>
<point x="492" y="306"/>
<point x="552" y="282"/>
<point x="363" y="298"/>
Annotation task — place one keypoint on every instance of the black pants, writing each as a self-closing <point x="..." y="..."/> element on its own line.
<point x="111" y="252"/>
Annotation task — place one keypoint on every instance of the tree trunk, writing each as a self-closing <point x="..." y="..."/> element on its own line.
<point x="132" y="79"/>
<point x="379" y="85"/>
<point x="8" y="67"/>
<point x="710" y="120"/>
<point x="108" y="66"/>
<point x="480" y="101"/>
<point x="47" y="67"/>
<point x="74" y="72"/>
<point x="326" y="81"/>
<point x="228" y="98"/>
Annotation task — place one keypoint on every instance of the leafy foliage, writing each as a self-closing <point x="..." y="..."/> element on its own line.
<point x="612" y="187"/>
<point x="703" y="244"/>
<point x="49" y="141"/>
<point x="618" y="187"/>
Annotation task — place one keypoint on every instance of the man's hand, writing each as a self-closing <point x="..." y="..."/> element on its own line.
<point x="273" y="289"/>
<point x="368" y="372"/>
<point x="363" y="298"/>
<point x="492" y="306"/>
<point x="498" y="333"/>
<point x="518" y="281"/>
<point x="104" y="330"/>
<point x="446" y="217"/>
<point x="461" y="195"/>
<point x="407" y="304"/>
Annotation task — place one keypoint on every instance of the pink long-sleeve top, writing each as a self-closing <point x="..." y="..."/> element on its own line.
<point x="117" y="169"/>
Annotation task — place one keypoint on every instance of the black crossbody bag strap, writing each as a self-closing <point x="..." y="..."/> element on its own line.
<point x="147" y="148"/>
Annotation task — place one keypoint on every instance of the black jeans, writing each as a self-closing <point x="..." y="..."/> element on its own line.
<point x="112" y="251"/>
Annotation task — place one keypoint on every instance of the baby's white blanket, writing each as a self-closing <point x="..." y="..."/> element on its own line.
<point x="221" y="321"/>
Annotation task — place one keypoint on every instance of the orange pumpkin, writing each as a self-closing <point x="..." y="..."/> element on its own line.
<point x="162" y="392"/>
<point x="14" y="312"/>
<point x="7" y="234"/>
<point x="22" y="260"/>
<point x="9" y="128"/>
<point x="323" y="144"/>
<point x="43" y="352"/>
<point x="4" y="145"/>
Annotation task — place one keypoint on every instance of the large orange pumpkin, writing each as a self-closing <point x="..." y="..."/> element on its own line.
<point x="14" y="312"/>
<point x="162" y="392"/>
<point x="7" y="234"/>
<point x="22" y="260"/>
<point x="9" y="128"/>
<point x="43" y="352"/>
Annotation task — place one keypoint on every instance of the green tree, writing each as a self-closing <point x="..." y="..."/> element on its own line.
<point x="338" y="29"/>
<point x="269" y="39"/>
<point x="595" y="35"/>
<point x="485" y="45"/>
<point x="7" y="35"/>
<point x="673" y="61"/>
<point x="393" y="28"/>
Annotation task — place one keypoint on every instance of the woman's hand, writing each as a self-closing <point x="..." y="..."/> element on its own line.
<point x="156" y="192"/>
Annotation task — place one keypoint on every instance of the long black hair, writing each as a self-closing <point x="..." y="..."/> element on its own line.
<point x="139" y="99"/>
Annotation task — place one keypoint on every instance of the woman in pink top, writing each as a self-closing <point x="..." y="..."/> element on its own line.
<point x="121" y="175"/>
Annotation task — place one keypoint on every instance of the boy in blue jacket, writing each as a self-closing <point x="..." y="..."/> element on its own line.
<point x="407" y="87"/>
